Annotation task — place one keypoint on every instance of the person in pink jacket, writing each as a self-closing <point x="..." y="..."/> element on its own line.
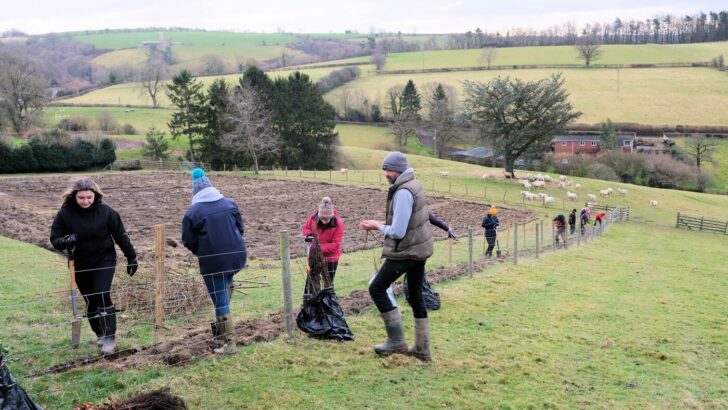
<point x="328" y="227"/>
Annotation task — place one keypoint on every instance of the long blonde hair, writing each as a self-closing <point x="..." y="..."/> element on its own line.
<point x="81" y="184"/>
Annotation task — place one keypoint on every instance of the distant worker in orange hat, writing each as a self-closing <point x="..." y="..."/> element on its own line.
<point x="490" y="223"/>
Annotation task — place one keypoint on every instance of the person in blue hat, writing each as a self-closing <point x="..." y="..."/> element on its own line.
<point x="213" y="230"/>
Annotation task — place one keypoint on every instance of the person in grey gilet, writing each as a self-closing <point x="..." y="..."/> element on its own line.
<point x="407" y="245"/>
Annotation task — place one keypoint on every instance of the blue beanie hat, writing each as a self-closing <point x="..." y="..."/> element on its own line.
<point x="395" y="161"/>
<point x="199" y="181"/>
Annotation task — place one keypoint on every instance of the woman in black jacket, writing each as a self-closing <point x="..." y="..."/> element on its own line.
<point x="88" y="228"/>
<point x="490" y="223"/>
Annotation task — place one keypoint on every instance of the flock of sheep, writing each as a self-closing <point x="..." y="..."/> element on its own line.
<point x="540" y="181"/>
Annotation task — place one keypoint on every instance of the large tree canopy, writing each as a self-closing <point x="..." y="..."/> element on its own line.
<point x="518" y="116"/>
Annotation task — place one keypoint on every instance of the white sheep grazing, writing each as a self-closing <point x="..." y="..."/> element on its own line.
<point x="538" y="184"/>
<point x="488" y="176"/>
<point x="572" y="196"/>
<point x="547" y="178"/>
<point x="529" y="176"/>
<point x="603" y="192"/>
<point x="344" y="170"/>
<point x="549" y="200"/>
<point x="577" y="186"/>
<point x="610" y="190"/>
<point x="591" y="197"/>
<point x="653" y="202"/>
<point x="538" y="177"/>
<point x="542" y="195"/>
<point x="444" y="173"/>
<point x="569" y="183"/>
<point x="622" y="191"/>
<point x="531" y="196"/>
<point x="562" y="178"/>
<point x="562" y="184"/>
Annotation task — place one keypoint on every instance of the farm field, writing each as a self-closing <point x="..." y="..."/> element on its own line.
<point x="613" y="54"/>
<point x="129" y="94"/>
<point x="655" y="96"/>
<point x="576" y="329"/>
<point x="140" y="118"/>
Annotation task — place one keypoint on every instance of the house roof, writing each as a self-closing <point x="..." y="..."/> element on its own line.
<point x="622" y="136"/>
<point x="477" y="152"/>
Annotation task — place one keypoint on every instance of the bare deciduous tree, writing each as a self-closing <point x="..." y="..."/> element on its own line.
<point x="589" y="49"/>
<point x="151" y="79"/>
<point x="700" y="149"/>
<point x="212" y="64"/>
<point x="22" y="90"/>
<point x="487" y="56"/>
<point x="251" y="123"/>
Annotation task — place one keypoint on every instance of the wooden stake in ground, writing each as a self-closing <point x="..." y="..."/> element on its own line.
<point x="159" y="275"/>
<point x="287" y="288"/>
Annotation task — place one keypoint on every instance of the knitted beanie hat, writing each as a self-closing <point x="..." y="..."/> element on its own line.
<point x="326" y="208"/>
<point x="199" y="181"/>
<point x="395" y="161"/>
<point x="493" y="211"/>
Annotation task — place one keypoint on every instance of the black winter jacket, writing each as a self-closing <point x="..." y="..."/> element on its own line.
<point x="97" y="229"/>
<point x="490" y="222"/>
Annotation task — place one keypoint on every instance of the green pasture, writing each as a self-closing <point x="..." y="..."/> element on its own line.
<point x="612" y="54"/>
<point x="627" y="320"/>
<point x="141" y="118"/>
<point x="658" y="96"/>
<point x="130" y="93"/>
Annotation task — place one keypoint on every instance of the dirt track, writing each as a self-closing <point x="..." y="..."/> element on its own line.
<point x="268" y="206"/>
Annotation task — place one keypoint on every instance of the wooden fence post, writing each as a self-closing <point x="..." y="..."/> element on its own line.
<point x="515" y="243"/>
<point x="553" y="238"/>
<point x="159" y="274"/>
<point x="449" y="251"/>
<point x="470" y="252"/>
<point x="702" y="218"/>
<point x="538" y="243"/>
<point x="287" y="287"/>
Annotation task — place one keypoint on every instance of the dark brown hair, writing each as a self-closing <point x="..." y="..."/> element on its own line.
<point x="81" y="184"/>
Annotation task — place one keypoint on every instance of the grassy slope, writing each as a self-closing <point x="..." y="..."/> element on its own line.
<point x="129" y="94"/>
<point x="613" y="54"/>
<point x="577" y="329"/>
<point x="648" y="96"/>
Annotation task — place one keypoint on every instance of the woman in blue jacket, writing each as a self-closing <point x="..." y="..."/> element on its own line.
<point x="490" y="223"/>
<point x="213" y="230"/>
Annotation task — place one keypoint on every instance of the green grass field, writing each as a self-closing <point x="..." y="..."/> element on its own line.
<point x="648" y="96"/>
<point x="613" y="54"/>
<point x="129" y="93"/>
<point x="141" y="118"/>
<point x="625" y="321"/>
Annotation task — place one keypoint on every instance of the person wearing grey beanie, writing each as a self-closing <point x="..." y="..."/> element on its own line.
<point x="408" y="242"/>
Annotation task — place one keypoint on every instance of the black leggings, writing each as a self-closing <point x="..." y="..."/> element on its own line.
<point x="388" y="273"/>
<point x="491" y="244"/>
<point x="95" y="286"/>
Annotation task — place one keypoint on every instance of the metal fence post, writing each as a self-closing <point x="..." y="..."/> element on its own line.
<point x="287" y="288"/>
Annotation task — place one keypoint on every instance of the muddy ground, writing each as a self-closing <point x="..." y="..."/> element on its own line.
<point x="28" y="205"/>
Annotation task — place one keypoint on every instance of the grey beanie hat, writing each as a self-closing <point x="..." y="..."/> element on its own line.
<point x="395" y="161"/>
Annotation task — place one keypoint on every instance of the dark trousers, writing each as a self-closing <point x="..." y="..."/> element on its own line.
<point x="388" y="273"/>
<point x="491" y="245"/>
<point x="95" y="286"/>
<point x="572" y="229"/>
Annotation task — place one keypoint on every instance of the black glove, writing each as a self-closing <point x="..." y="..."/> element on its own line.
<point x="69" y="242"/>
<point x="451" y="234"/>
<point x="308" y="238"/>
<point x="132" y="266"/>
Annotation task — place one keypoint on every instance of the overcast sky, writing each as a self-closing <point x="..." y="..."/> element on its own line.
<point x="319" y="16"/>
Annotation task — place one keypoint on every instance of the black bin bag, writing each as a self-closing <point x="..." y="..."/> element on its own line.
<point x="432" y="298"/>
<point x="12" y="396"/>
<point x="321" y="317"/>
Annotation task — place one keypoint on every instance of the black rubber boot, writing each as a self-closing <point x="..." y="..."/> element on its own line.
<point x="107" y="319"/>
<point x="395" y="342"/>
<point x="95" y="322"/>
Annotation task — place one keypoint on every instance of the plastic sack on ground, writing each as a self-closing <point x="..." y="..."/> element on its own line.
<point x="12" y="396"/>
<point x="322" y="317"/>
<point x="432" y="298"/>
